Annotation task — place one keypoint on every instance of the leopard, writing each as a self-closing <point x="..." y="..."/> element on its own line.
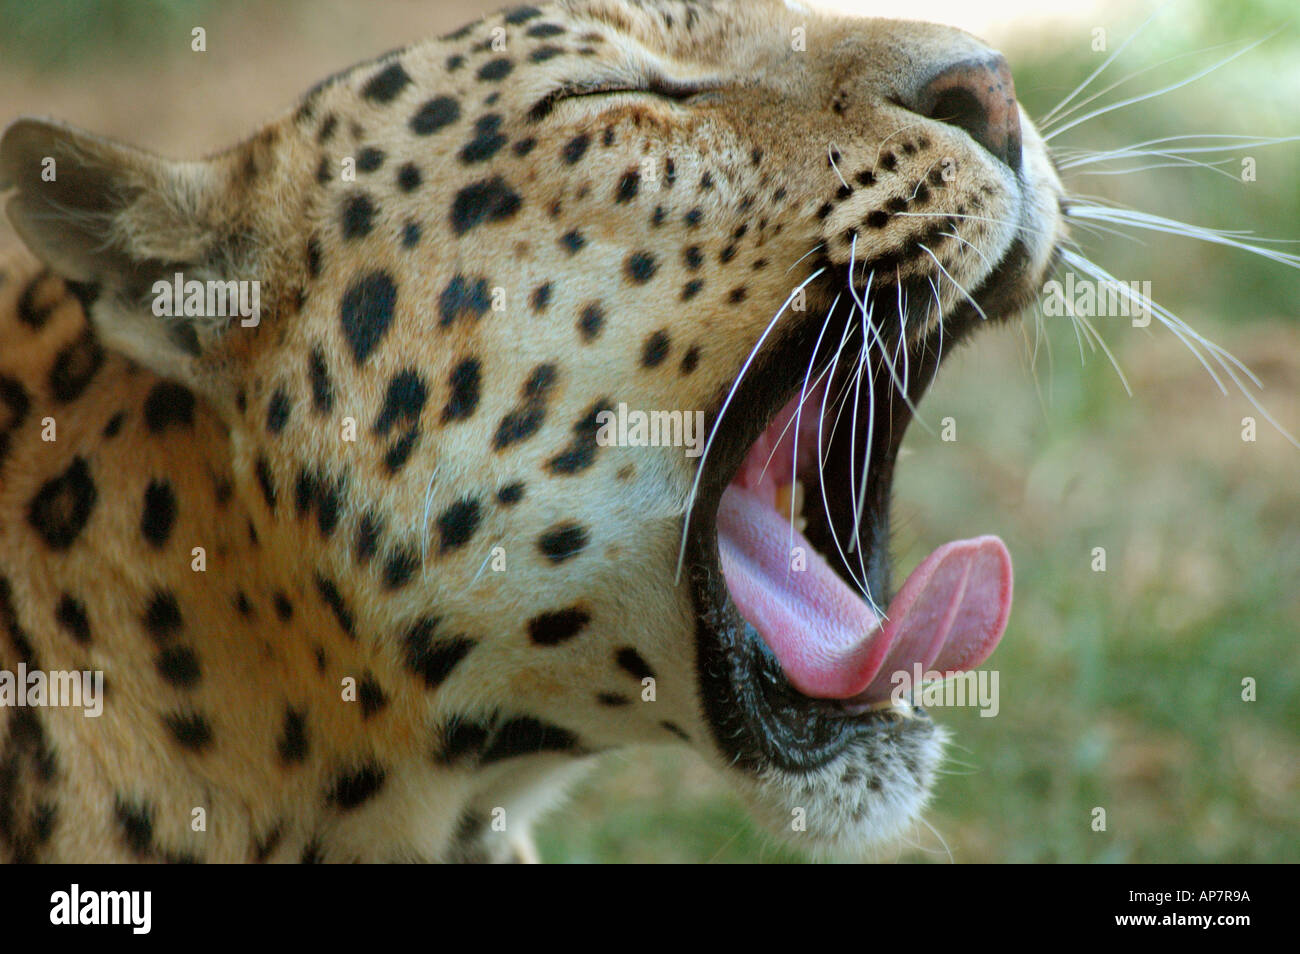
<point x="379" y="570"/>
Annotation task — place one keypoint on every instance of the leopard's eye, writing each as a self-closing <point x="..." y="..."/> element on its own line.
<point x="653" y="85"/>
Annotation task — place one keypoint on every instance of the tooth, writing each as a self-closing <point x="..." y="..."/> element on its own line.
<point x="787" y="494"/>
<point x="899" y="710"/>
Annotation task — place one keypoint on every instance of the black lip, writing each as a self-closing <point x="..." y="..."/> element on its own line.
<point x="757" y="717"/>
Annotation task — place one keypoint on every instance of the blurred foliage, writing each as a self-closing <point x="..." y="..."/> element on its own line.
<point x="56" y="34"/>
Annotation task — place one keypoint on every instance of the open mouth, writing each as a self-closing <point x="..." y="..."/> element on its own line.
<point x="801" y="635"/>
<point x="834" y="637"/>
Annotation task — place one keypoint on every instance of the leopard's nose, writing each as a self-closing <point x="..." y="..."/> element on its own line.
<point x="979" y="97"/>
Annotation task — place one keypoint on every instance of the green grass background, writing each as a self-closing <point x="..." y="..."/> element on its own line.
<point x="1120" y="690"/>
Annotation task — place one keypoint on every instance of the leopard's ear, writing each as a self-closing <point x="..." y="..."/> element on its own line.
<point x="119" y="221"/>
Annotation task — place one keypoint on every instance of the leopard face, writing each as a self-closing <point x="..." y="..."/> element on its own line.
<point x="474" y="250"/>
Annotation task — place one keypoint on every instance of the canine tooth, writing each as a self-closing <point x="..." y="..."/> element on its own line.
<point x="787" y="494"/>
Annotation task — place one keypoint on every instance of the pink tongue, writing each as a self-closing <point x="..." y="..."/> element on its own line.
<point x="948" y="616"/>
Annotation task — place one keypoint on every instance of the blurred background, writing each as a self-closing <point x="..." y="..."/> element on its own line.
<point x="1119" y="689"/>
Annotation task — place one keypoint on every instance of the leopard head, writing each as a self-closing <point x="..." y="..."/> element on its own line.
<point x="758" y="227"/>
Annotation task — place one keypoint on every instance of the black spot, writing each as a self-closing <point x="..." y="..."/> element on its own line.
<point x="693" y="257"/>
<point x="655" y="350"/>
<point x="358" y="216"/>
<point x="528" y="736"/>
<point x="889" y="161"/>
<point x="385" y="85"/>
<point x="524" y="421"/>
<point x="581" y="452"/>
<point x="410" y="234"/>
<point x="367" y="537"/>
<point x="324" y="172"/>
<point x="293" y="744"/>
<point x="706" y="181"/>
<point x="408" y="177"/>
<point x="541" y="31"/>
<point x="265" y="846"/>
<point x="541" y="297"/>
<point x="434" y="115"/>
<point x="544" y="53"/>
<point x="692" y="288"/>
<point x="737" y="295"/>
<point x="159" y="512"/>
<point x="693" y="217"/>
<point x="366" y="311"/>
<point x="463" y="297"/>
<point x="675" y="729"/>
<point x="454" y="62"/>
<point x="30" y="313"/>
<point x="370" y="159"/>
<point x="878" y="219"/>
<point x="727" y="254"/>
<point x="464" y="384"/>
<point x="352" y="789"/>
<point x="433" y="661"/>
<point x="462" y="738"/>
<point x="191" y="730"/>
<point x="329" y="592"/>
<point x="62" y="507"/>
<point x="575" y="148"/>
<point x="179" y="666"/>
<point x="399" y="453"/>
<point x="572" y="241"/>
<point x="631" y="662"/>
<point x="551" y="629"/>
<point x="511" y="494"/>
<point x="111" y="429"/>
<point x="243" y="606"/>
<point x="322" y="389"/>
<point x="403" y="402"/>
<point x="591" y="321"/>
<point x="487" y="141"/>
<point x="640" y="267"/>
<point x="19" y="637"/>
<point x="277" y="411"/>
<point x="71" y="614"/>
<point x="518" y="15"/>
<point x="13" y="396"/>
<point x="612" y="699"/>
<point x="691" y="359"/>
<point x="490" y="200"/>
<point x="283" y="608"/>
<point x="399" y="569"/>
<point x="628" y="186"/>
<point x="312" y="853"/>
<point x="494" y="70"/>
<point x="136" y="820"/>
<point x="167" y="404"/>
<point x="524" y="146"/>
<point x="457" y="524"/>
<point x="371" y="695"/>
<point x="162" y="617"/>
<point x="264" y="481"/>
<point x="74" y="367"/>
<point x="563" y="541"/>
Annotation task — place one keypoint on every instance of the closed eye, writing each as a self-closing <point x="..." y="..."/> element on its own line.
<point x="650" y="86"/>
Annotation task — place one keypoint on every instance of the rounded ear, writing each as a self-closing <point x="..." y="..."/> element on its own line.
<point x="123" y="224"/>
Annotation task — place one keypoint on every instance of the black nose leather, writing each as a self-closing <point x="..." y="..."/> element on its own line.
<point x="979" y="97"/>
